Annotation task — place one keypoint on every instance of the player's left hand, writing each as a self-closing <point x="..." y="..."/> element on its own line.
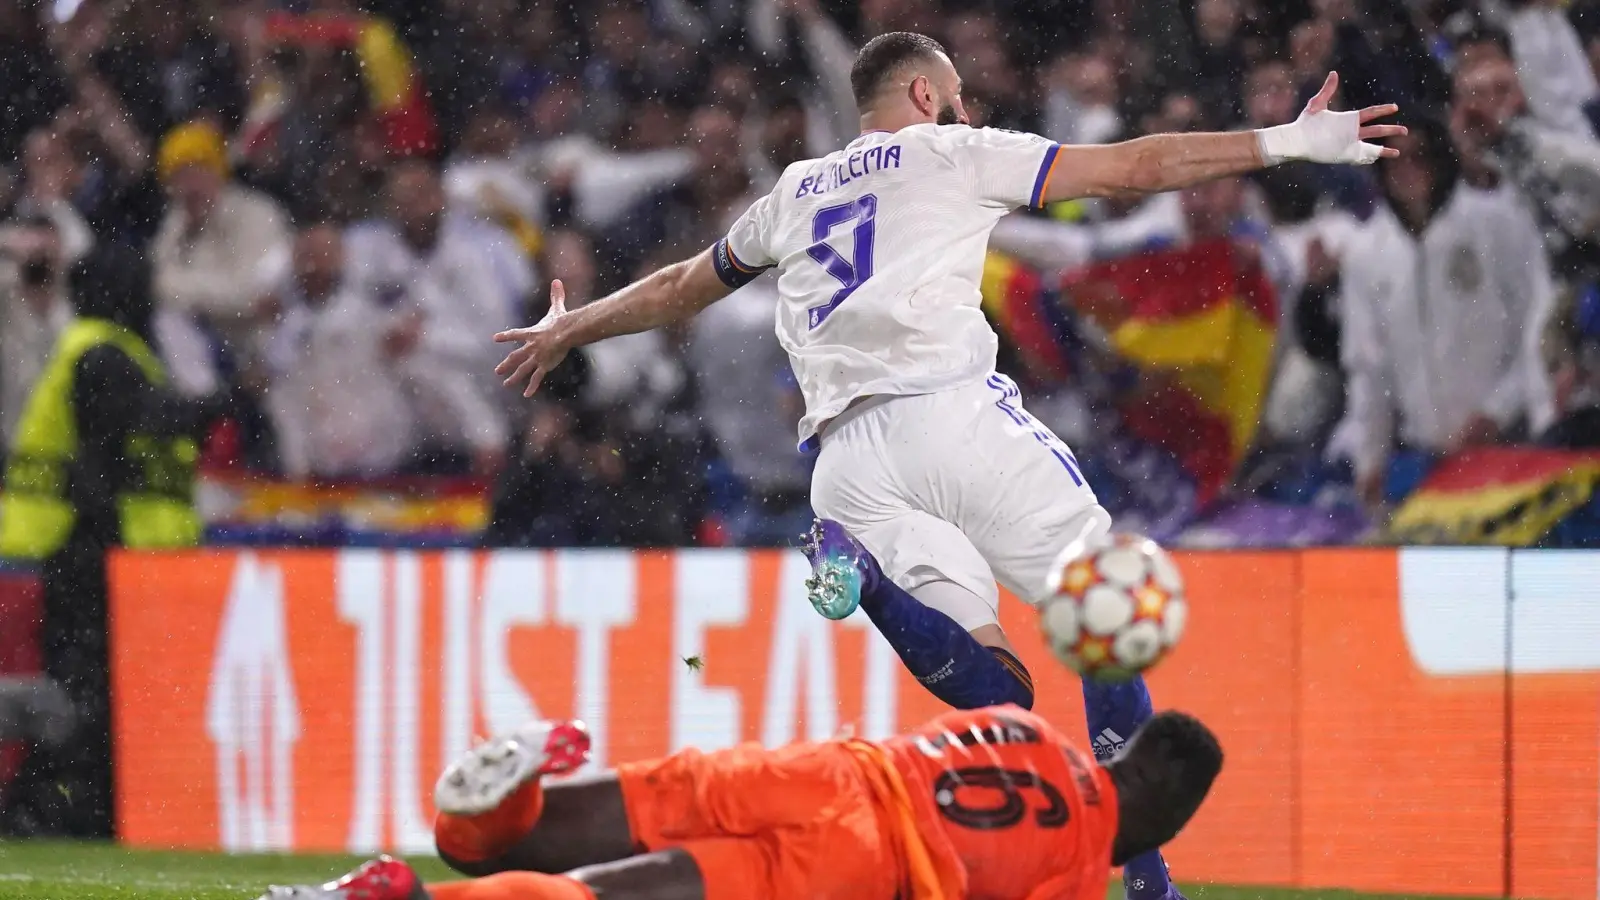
<point x="1325" y="136"/>
<point x="542" y="347"/>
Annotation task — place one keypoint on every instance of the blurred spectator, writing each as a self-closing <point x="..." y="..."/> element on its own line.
<point x="1149" y="39"/>
<point x="1307" y="396"/>
<point x="171" y="67"/>
<point x="33" y="309"/>
<point x="1219" y="61"/>
<point x="696" y="213"/>
<point x="106" y="123"/>
<point x="338" y="400"/>
<point x="612" y="454"/>
<point x="40" y="239"/>
<point x="1081" y="100"/>
<point x="542" y="497"/>
<point x="350" y="183"/>
<point x="779" y="138"/>
<point x="1445" y="294"/>
<point x="641" y="397"/>
<point x="1376" y="48"/>
<point x="1474" y="39"/>
<point x="879" y="16"/>
<point x="543" y="45"/>
<point x="1572" y="349"/>
<point x="221" y="251"/>
<point x="485" y="178"/>
<point x="590" y="182"/>
<point x="393" y="92"/>
<point x="993" y="91"/>
<point x="463" y="49"/>
<point x="102" y="458"/>
<point x="830" y="107"/>
<point x="1557" y="171"/>
<point x="309" y="115"/>
<point x="750" y="403"/>
<point x="1177" y="110"/>
<point x="618" y="67"/>
<point x="458" y="280"/>
<point x="35" y="84"/>
<point x="1591" y="42"/>
<point x="1551" y="63"/>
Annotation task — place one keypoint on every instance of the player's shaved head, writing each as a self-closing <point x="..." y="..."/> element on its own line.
<point x="887" y="57"/>
<point x="1161" y="776"/>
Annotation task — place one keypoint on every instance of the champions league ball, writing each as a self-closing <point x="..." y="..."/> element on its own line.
<point x="1115" y="610"/>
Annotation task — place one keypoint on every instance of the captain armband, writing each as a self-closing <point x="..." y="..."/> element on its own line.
<point x="731" y="271"/>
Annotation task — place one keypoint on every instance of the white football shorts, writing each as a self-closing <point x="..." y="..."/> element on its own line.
<point x="962" y="485"/>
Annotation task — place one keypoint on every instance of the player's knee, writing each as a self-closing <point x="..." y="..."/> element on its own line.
<point x="1161" y="778"/>
<point x="463" y="846"/>
<point x="1020" y="691"/>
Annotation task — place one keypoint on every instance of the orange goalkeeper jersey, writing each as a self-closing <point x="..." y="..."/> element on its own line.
<point x="1003" y="794"/>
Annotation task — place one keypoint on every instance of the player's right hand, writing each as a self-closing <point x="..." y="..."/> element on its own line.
<point x="542" y="346"/>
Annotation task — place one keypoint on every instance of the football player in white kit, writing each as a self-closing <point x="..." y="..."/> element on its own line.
<point x="933" y="483"/>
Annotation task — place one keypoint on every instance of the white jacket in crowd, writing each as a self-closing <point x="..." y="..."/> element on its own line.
<point x="471" y="284"/>
<point x="339" y="404"/>
<point x="1443" y="327"/>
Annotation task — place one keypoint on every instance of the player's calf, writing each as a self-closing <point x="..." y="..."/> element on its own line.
<point x="952" y="664"/>
<point x="1114" y="711"/>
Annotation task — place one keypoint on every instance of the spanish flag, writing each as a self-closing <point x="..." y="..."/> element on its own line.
<point x="1199" y="324"/>
<point x="394" y="87"/>
<point x="1029" y="317"/>
<point x="1507" y="496"/>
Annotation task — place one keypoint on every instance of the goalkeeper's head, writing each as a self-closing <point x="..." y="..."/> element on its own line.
<point x="1161" y="776"/>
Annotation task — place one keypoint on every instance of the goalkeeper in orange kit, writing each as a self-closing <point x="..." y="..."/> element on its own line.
<point x="988" y="804"/>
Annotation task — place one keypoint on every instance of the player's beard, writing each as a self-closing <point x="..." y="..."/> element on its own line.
<point x="947" y="116"/>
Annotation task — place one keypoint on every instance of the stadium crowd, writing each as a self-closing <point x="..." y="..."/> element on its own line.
<point x="341" y="201"/>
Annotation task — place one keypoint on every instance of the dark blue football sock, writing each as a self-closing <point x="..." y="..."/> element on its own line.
<point x="941" y="654"/>
<point x="1115" y="712"/>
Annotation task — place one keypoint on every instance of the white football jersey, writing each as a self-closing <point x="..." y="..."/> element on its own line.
<point x="879" y="249"/>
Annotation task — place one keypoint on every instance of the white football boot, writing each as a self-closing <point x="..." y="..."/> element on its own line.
<point x="489" y="773"/>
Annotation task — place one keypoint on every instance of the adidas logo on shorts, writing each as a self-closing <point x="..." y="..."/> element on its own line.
<point x="1107" y="743"/>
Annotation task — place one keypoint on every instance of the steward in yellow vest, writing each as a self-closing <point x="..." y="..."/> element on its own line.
<point x="102" y="457"/>
<point x="146" y="478"/>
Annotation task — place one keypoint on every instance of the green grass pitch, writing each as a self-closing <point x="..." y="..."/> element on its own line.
<point x="32" y="870"/>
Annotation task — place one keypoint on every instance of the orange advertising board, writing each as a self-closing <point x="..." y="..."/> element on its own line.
<point x="1391" y="722"/>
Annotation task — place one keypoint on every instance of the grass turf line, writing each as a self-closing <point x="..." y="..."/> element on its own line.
<point x="38" y="870"/>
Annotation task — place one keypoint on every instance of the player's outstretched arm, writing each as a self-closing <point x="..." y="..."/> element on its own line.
<point x="668" y="295"/>
<point x="1166" y="162"/>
